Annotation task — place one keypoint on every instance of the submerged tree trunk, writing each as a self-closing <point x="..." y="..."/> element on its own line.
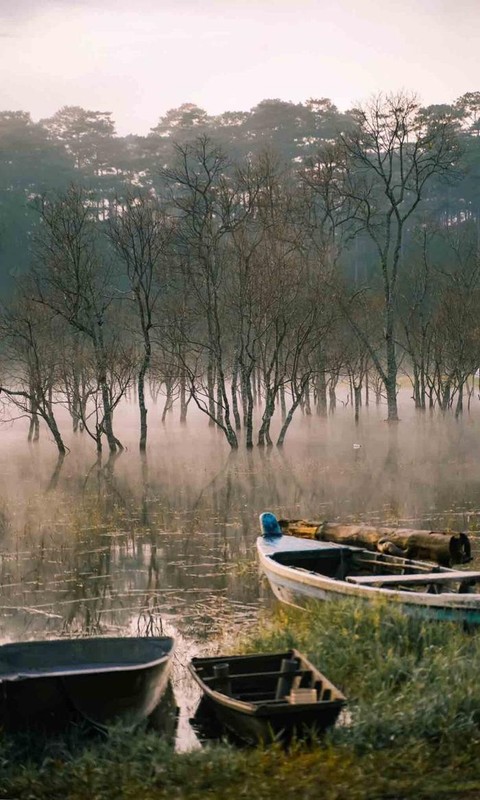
<point x="234" y="389"/>
<point x="297" y="395"/>
<point x="211" y="391"/>
<point x="107" y="425"/>
<point x="168" y="405"/>
<point x="219" y="414"/>
<point x="248" y="405"/>
<point x="183" y="397"/>
<point x="283" y="404"/>
<point x="306" y="398"/>
<point x="264" y="432"/>
<point x="34" y="425"/>
<point x="332" y="396"/>
<point x="459" y="406"/>
<point x="357" y="393"/>
<point x="142" y="405"/>
<point x="53" y="427"/>
<point x="321" y="392"/>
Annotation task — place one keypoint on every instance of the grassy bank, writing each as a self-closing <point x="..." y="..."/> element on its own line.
<point x="413" y="729"/>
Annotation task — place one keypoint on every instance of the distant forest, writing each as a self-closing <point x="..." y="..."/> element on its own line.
<point x="246" y="262"/>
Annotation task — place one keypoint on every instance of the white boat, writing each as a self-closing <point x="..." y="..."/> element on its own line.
<point x="299" y="570"/>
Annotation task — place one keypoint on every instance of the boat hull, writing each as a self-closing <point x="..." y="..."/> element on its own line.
<point x="303" y="723"/>
<point x="297" y="586"/>
<point x="250" y="711"/>
<point x="50" y="685"/>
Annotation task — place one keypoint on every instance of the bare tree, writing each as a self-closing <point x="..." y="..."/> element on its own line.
<point x="142" y="236"/>
<point x="73" y="280"/>
<point x="210" y="200"/>
<point x="122" y="363"/>
<point x="29" y="337"/>
<point x="455" y="333"/>
<point x="388" y="160"/>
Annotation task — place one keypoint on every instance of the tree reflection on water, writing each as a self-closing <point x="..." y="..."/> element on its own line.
<point x="164" y="543"/>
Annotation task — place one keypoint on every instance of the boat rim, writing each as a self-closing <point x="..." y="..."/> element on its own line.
<point x="90" y="669"/>
<point x="452" y="600"/>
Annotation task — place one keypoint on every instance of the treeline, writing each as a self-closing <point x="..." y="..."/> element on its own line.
<point x="80" y="145"/>
<point x="245" y="263"/>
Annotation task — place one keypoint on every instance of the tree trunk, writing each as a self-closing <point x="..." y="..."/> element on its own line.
<point x="357" y="393"/>
<point x="236" y="414"/>
<point x="168" y="400"/>
<point x="247" y="397"/>
<point x="264" y="432"/>
<point x="211" y="391"/>
<point x="102" y="381"/>
<point x="141" y="391"/>
<point x="219" y="409"/>
<point x="416" y="386"/>
<point x="287" y="421"/>
<point x="459" y="406"/>
<point x="53" y="427"/>
<point x="183" y="397"/>
<point x="321" y="392"/>
<point x="423" y="388"/>
<point x="332" y="397"/>
<point x="391" y="374"/>
<point x="306" y="397"/>
<point x="224" y="407"/>
<point x="283" y="404"/>
<point x="34" y="427"/>
<point x="291" y="412"/>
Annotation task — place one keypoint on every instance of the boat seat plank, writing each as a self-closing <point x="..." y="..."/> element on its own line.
<point x="242" y="675"/>
<point x="384" y="562"/>
<point x="426" y="577"/>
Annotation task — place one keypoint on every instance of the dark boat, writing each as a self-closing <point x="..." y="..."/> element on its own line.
<point x="266" y="697"/>
<point x="50" y="684"/>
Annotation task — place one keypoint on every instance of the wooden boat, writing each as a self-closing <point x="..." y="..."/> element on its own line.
<point x="304" y="569"/>
<point x="266" y="697"/>
<point x="49" y="684"/>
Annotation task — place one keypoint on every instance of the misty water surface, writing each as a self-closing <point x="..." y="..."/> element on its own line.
<point x="166" y="543"/>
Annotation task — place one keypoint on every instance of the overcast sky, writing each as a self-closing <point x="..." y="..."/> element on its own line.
<point x="142" y="57"/>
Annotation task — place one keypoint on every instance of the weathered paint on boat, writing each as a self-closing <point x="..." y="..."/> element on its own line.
<point x="294" y="584"/>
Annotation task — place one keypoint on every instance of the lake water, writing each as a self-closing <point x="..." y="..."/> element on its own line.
<point x="165" y="544"/>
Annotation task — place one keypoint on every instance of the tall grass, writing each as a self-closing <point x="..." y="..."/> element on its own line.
<point x="412" y="730"/>
<point x="406" y="679"/>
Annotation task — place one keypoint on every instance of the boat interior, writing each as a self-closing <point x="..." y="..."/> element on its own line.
<point x="381" y="570"/>
<point x="273" y="679"/>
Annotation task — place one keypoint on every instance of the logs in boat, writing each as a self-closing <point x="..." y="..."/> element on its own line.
<point x="303" y="570"/>
<point x="442" y="547"/>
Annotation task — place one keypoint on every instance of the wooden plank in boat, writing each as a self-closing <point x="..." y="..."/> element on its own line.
<point x="241" y="675"/>
<point x="426" y="577"/>
<point x="407" y="563"/>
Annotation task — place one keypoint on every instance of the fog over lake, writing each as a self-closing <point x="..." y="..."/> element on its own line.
<point x="166" y="543"/>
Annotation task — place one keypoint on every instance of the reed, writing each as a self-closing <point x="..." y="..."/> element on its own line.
<point x="406" y="679"/>
<point x="412" y="731"/>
